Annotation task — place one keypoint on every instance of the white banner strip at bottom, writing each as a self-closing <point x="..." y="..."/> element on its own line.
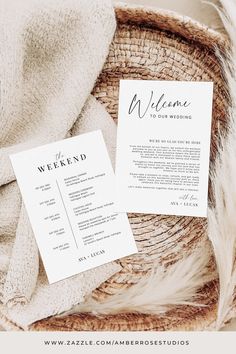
<point x="118" y="342"/>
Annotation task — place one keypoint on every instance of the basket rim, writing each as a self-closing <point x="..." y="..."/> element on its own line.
<point x="171" y="21"/>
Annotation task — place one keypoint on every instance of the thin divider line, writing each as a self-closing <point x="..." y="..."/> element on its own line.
<point x="66" y="214"/>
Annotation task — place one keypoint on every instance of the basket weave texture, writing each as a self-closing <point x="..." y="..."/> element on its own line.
<point x="157" y="45"/>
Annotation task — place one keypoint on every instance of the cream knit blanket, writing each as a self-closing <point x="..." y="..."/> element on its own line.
<point x="51" y="52"/>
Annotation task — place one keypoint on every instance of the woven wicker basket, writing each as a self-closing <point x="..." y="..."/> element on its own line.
<point x="151" y="44"/>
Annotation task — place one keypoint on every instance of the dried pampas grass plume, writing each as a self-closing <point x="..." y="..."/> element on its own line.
<point x="222" y="216"/>
<point x="158" y="291"/>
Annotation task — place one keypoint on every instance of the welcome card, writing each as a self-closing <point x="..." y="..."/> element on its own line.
<point x="163" y="146"/>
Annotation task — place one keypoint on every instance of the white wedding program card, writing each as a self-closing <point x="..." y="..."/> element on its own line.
<point x="68" y="190"/>
<point x="163" y="146"/>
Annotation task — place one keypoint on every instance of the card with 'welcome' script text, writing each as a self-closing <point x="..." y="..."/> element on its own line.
<point x="163" y="147"/>
<point x="68" y="190"/>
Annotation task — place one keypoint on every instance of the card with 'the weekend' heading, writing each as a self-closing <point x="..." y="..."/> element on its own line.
<point x="68" y="190"/>
<point x="163" y="146"/>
